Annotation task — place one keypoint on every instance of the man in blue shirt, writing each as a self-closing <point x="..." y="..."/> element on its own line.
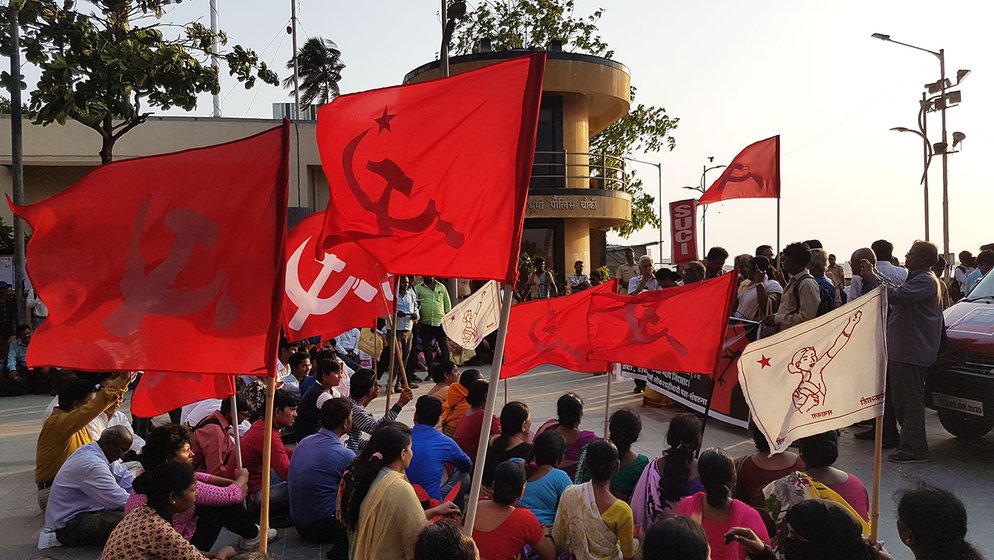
<point x="329" y="375"/>
<point x="432" y="450"/>
<point x="316" y="469"/>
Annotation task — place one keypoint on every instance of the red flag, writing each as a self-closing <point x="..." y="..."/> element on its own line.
<point x="683" y="231"/>
<point x="676" y="329"/>
<point x="165" y="263"/>
<point x="431" y="178"/>
<point x="158" y="393"/>
<point x="346" y="288"/>
<point x="552" y="331"/>
<point x="754" y="173"/>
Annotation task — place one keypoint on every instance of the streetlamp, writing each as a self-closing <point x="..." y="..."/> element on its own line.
<point x="704" y="213"/>
<point x="659" y="169"/>
<point x="941" y="103"/>
<point x="450" y="13"/>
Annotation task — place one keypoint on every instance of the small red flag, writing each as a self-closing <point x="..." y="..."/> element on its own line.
<point x="165" y="263"/>
<point x="754" y="173"/>
<point x="431" y="178"/>
<point x="343" y="289"/>
<point x="552" y="331"/>
<point x="677" y="329"/>
<point x="158" y="393"/>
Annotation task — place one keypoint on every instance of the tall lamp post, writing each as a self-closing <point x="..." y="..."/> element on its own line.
<point x="941" y="103"/>
<point x="450" y="13"/>
<point x="659" y="170"/>
<point x="704" y="213"/>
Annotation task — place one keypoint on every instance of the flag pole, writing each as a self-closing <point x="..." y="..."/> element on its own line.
<point x="393" y="344"/>
<point x="607" y="399"/>
<point x="505" y="391"/>
<point x="237" y="435"/>
<point x="878" y="455"/>
<point x="778" y="230"/>
<point x="267" y="464"/>
<point x="481" y="453"/>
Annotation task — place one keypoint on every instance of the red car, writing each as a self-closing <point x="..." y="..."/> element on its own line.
<point x="960" y="386"/>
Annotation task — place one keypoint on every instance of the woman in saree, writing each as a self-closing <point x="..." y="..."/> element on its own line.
<point x="592" y="524"/>
<point x="377" y="505"/>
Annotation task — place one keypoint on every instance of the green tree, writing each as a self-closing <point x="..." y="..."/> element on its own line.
<point x="108" y="63"/>
<point x="516" y="24"/>
<point x="320" y="68"/>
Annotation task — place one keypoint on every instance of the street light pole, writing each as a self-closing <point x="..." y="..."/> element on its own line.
<point x="449" y="16"/>
<point x="17" y="161"/>
<point x="704" y="213"/>
<point x="945" y="162"/>
<point x="941" y="55"/>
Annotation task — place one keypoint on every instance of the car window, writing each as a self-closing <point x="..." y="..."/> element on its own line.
<point x="984" y="289"/>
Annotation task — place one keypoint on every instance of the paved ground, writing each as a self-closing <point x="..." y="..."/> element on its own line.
<point x="963" y="467"/>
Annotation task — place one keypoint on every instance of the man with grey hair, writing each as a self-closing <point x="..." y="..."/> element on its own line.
<point x="646" y="279"/>
<point x="89" y="493"/>
<point x="856" y="288"/>
<point x="817" y="266"/>
<point x="914" y="331"/>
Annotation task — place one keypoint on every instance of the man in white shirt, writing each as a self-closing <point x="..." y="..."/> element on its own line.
<point x="646" y="279"/>
<point x="114" y="417"/>
<point x="884" y="251"/>
<point x="89" y="493"/>
<point x="407" y="316"/>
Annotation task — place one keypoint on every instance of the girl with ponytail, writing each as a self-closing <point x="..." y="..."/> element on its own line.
<point x="502" y="530"/>
<point x="667" y="480"/>
<point x="377" y="506"/>
<point x="624" y="428"/>
<point x="717" y="511"/>
<point x="512" y="443"/>
<point x="146" y="532"/>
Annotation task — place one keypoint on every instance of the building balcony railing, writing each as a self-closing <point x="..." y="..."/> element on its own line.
<point x="574" y="170"/>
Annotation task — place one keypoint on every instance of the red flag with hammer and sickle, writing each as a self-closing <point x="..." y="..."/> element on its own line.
<point x="431" y="178"/>
<point x="165" y="263"/>
<point x="552" y="331"/>
<point x="754" y="173"/>
<point x="344" y="288"/>
<point x="677" y="329"/>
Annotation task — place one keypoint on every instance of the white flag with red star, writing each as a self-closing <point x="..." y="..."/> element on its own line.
<point x="475" y="317"/>
<point x="824" y="374"/>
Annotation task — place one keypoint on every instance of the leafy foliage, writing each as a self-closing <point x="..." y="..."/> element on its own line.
<point x="6" y="238"/>
<point x="106" y="63"/>
<point x="523" y="24"/>
<point x="516" y="24"/>
<point x="320" y="68"/>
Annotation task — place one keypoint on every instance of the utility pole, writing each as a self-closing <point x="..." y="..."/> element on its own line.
<point x="17" y="158"/>
<point x="296" y="67"/>
<point x="215" y="47"/>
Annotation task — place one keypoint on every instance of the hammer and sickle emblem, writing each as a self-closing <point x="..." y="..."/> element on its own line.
<point x="640" y="327"/>
<point x="396" y="181"/>
<point x="308" y="301"/>
<point x="153" y="293"/>
<point x="738" y="173"/>
<point x="544" y="342"/>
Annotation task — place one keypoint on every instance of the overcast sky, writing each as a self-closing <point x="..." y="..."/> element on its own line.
<point x="733" y="72"/>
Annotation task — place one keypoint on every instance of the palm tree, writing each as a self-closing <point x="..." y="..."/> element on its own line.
<point x="320" y="69"/>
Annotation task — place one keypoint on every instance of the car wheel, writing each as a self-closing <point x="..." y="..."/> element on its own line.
<point x="965" y="426"/>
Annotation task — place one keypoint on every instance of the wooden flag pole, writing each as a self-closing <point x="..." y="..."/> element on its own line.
<point x="878" y="455"/>
<point x="393" y="344"/>
<point x="607" y="399"/>
<point x="484" y="441"/>
<point x="505" y="392"/>
<point x="267" y="464"/>
<point x="237" y="435"/>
